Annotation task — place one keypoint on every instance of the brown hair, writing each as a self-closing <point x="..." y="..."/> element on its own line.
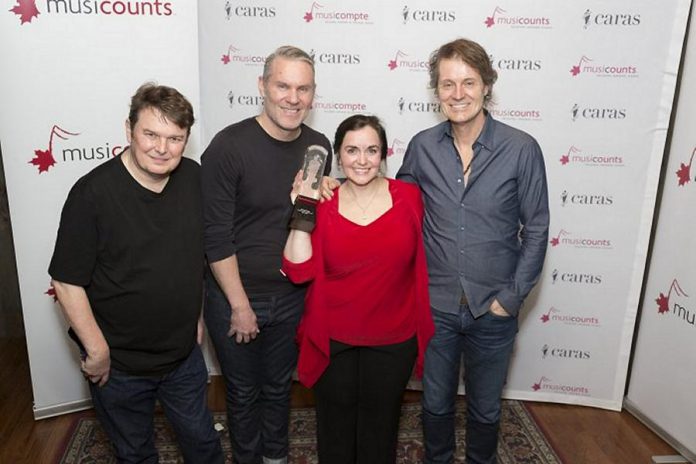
<point x="357" y="122"/>
<point x="468" y="51"/>
<point x="168" y="101"/>
<point x="288" y="52"/>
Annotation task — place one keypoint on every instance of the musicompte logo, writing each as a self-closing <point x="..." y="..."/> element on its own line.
<point x="546" y="385"/>
<point x="575" y="278"/>
<point x="564" y="238"/>
<point x="248" y="11"/>
<point x="331" y="16"/>
<point x="327" y="106"/>
<point x="397" y="147"/>
<point x="400" y="61"/>
<point x="590" y="18"/>
<point x="575" y="155"/>
<point x="585" y="199"/>
<point x="45" y="159"/>
<point x="596" y="113"/>
<point x="563" y="353"/>
<point x="684" y="172"/>
<point x="433" y="16"/>
<point x="27" y="9"/>
<point x="555" y="315"/>
<point x="515" y="114"/>
<point x="681" y="312"/>
<point x="233" y="55"/>
<point x="586" y="65"/>
<point x="500" y="17"/>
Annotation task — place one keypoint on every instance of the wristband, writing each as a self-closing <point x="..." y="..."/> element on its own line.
<point x="304" y="214"/>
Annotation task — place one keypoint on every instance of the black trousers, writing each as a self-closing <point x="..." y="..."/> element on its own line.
<point x="358" y="402"/>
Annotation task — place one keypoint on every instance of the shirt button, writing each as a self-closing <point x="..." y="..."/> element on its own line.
<point x="461" y="204"/>
<point x="459" y="181"/>
<point x="461" y="228"/>
<point x="461" y="252"/>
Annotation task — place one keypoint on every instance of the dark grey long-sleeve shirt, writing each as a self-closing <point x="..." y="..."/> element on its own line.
<point x="486" y="239"/>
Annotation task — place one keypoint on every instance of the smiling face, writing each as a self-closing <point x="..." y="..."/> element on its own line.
<point x="461" y="92"/>
<point x="156" y="146"/>
<point x="288" y="93"/>
<point x="360" y="155"/>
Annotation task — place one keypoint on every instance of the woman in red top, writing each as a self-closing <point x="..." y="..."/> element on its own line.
<point x="367" y="313"/>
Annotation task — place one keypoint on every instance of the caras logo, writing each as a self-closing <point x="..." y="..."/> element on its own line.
<point x="248" y="11"/>
<point x="515" y="64"/>
<point x="411" y="65"/>
<point x="563" y="353"/>
<point x="43" y="159"/>
<point x="500" y="17"/>
<point x="439" y="16"/>
<point x="544" y="385"/>
<point x="575" y="278"/>
<point x="331" y="57"/>
<point x="316" y="13"/>
<point x="576" y="156"/>
<point x="26" y="10"/>
<point x="244" y="100"/>
<point x="417" y="106"/>
<point x="589" y="18"/>
<point x="678" y="310"/>
<point x="602" y="70"/>
<point x="557" y="316"/>
<point x="232" y="56"/>
<point x="585" y="199"/>
<point x="684" y="172"/>
<point x="578" y="112"/>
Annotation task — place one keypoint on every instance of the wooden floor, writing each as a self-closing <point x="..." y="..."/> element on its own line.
<point x="581" y="435"/>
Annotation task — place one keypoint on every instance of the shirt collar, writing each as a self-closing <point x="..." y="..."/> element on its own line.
<point x="484" y="139"/>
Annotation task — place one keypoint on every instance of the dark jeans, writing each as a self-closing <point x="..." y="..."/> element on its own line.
<point x="125" y="406"/>
<point x="258" y="374"/>
<point x="486" y="345"/>
<point x="358" y="402"/>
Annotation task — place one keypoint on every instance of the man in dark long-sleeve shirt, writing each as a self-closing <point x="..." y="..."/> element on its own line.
<point x="485" y="231"/>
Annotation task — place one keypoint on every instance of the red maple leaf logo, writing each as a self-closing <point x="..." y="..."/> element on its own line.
<point x="308" y="16"/>
<point x="52" y="293"/>
<point x="663" y="301"/>
<point x="565" y="159"/>
<point x="554" y="241"/>
<point x="684" y="172"/>
<point x="392" y="65"/>
<point x="490" y="21"/>
<point x="536" y="386"/>
<point x="575" y="70"/>
<point x="390" y="151"/>
<point x="43" y="159"/>
<point x="26" y="10"/>
<point x="225" y="58"/>
<point x="544" y="318"/>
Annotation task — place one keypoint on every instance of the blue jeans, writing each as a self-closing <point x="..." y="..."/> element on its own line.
<point x="258" y="374"/>
<point x="125" y="406"/>
<point x="486" y="346"/>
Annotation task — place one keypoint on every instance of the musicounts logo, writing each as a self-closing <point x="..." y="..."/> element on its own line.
<point x="244" y="11"/>
<point x="587" y="65"/>
<point x="684" y="172"/>
<point x="545" y="385"/>
<point x="400" y="61"/>
<point x="244" y="100"/>
<point x="516" y="114"/>
<point x="597" y="113"/>
<point x="28" y="10"/>
<point x="397" y="147"/>
<point x="327" y="106"/>
<point x="576" y="156"/>
<point x="330" y="16"/>
<point x="406" y="106"/>
<point x="500" y="17"/>
<point x="682" y="312"/>
<point x="45" y="159"/>
<point x="331" y="57"/>
<point x="575" y="278"/>
<point x="554" y="315"/>
<point x="563" y="353"/>
<point x="592" y="19"/>
<point x="432" y="16"/>
<point x="515" y="64"/>
<point x="585" y="199"/>
<point x="563" y="238"/>
<point x="233" y="55"/>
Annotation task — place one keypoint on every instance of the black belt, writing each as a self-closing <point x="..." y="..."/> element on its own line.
<point x="464" y="300"/>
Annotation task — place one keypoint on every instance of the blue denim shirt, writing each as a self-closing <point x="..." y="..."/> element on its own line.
<point x="486" y="239"/>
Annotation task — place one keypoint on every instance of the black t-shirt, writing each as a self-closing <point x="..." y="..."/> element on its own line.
<point x="139" y="256"/>
<point x="247" y="176"/>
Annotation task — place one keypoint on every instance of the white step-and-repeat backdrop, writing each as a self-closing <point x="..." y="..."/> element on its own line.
<point x="663" y="376"/>
<point x="593" y="81"/>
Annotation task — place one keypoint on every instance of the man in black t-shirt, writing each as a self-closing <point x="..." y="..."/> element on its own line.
<point x="127" y="270"/>
<point x="251" y="309"/>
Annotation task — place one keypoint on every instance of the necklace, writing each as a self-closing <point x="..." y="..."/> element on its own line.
<point x="364" y="210"/>
<point x="468" y="166"/>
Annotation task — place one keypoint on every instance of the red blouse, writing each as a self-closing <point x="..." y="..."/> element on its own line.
<point x="369" y="284"/>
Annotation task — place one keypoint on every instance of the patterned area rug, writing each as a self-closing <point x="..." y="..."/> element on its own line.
<point x="521" y="439"/>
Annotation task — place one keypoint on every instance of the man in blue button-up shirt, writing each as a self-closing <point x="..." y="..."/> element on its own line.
<point x="485" y="231"/>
